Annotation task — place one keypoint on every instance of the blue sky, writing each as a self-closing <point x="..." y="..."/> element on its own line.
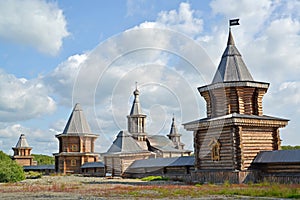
<point x="56" y="53"/>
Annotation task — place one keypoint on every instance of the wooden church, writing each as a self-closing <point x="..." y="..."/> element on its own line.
<point x="235" y="130"/>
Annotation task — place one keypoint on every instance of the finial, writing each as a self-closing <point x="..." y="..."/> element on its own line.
<point x="136" y="91"/>
<point x="173" y="118"/>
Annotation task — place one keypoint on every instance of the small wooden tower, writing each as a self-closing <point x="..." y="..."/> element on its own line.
<point x="136" y="119"/>
<point x="235" y="129"/>
<point x="22" y="152"/>
<point x="174" y="136"/>
<point x="76" y="144"/>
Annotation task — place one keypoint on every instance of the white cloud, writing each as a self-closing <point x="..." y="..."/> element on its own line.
<point x="61" y="81"/>
<point x="41" y="141"/>
<point x="35" y="23"/>
<point x="183" y="21"/>
<point x="23" y="99"/>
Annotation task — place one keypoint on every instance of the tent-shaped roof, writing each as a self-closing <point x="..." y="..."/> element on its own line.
<point x="173" y="130"/>
<point x="22" y="142"/>
<point x="124" y="143"/>
<point x="232" y="66"/>
<point x="77" y="123"/>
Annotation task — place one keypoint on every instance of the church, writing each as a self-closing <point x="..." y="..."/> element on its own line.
<point x="234" y="142"/>
<point x="76" y="144"/>
<point x="137" y="144"/>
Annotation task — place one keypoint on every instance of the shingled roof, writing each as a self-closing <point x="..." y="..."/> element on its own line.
<point x="77" y="123"/>
<point x="279" y="156"/>
<point x="22" y="142"/>
<point x="163" y="162"/>
<point x="124" y="143"/>
<point x="232" y="66"/>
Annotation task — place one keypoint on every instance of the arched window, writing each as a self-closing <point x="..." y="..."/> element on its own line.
<point x="215" y="150"/>
<point x="73" y="162"/>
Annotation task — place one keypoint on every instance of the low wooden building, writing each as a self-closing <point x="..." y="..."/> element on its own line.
<point x="22" y="152"/>
<point x="44" y="169"/>
<point x="175" y="167"/>
<point x="282" y="166"/>
<point x="122" y="153"/>
<point x="93" y="169"/>
<point x="76" y="144"/>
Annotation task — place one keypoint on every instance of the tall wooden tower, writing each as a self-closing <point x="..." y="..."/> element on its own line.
<point x="235" y="129"/>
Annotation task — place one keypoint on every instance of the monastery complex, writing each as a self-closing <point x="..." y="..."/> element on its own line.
<point x="235" y="142"/>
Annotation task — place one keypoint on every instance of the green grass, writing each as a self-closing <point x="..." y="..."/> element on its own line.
<point x="155" y="178"/>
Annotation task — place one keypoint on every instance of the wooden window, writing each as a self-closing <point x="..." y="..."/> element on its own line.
<point x="215" y="153"/>
<point x="73" y="162"/>
<point x="73" y="147"/>
<point x="215" y="149"/>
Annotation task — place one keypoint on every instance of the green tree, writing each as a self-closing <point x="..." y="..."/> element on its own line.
<point x="289" y="147"/>
<point x="43" y="159"/>
<point x="10" y="171"/>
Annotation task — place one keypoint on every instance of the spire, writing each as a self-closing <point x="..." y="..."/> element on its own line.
<point x="77" y="123"/>
<point x="232" y="66"/>
<point x="22" y="142"/>
<point x="136" y="106"/>
<point x="230" y="40"/>
<point x="174" y="136"/>
<point x="173" y="130"/>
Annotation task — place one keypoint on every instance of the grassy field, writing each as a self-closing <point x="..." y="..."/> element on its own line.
<point x="83" y="188"/>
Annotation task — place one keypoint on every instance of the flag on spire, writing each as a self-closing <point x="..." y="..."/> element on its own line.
<point x="234" y="22"/>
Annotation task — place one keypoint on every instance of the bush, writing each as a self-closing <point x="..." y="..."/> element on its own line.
<point x="33" y="175"/>
<point x="10" y="171"/>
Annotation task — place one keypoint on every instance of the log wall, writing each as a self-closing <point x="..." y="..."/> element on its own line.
<point x="242" y="100"/>
<point x="203" y="148"/>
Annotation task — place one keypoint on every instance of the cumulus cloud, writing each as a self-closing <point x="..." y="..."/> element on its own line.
<point x="23" y="99"/>
<point x="183" y="21"/>
<point x="36" y="23"/>
<point x="61" y="81"/>
<point x="41" y="141"/>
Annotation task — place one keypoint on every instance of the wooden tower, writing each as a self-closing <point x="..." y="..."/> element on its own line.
<point x="235" y="129"/>
<point x="22" y="152"/>
<point x="76" y="144"/>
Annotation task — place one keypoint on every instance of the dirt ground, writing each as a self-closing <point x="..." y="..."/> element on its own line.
<point x="76" y="187"/>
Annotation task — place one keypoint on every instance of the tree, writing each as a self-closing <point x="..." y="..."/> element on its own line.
<point x="43" y="159"/>
<point x="10" y="171"/>
<point x="288" y="147"/>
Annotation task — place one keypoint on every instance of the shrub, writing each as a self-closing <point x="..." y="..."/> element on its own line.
<point x="10" y="171"/>
<point x="33" y="175"/>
